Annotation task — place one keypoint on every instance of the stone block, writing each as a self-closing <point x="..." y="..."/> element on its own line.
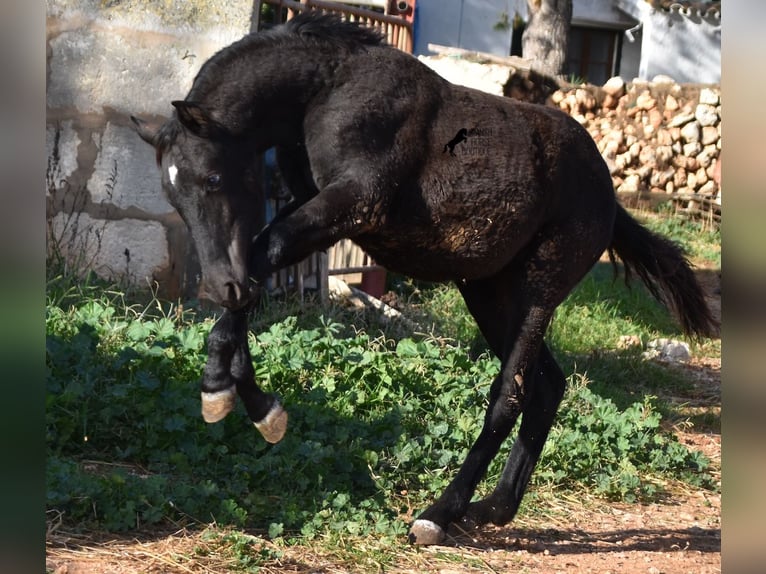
<point x="134" y="57"/>
<point x="128" y="249"/>
<point x="709" y="96"/>
<point x="706" y="115"/>
<point x="126" y="173"/>
<point x="690" y="133"/>
<point x="61" y="143"/>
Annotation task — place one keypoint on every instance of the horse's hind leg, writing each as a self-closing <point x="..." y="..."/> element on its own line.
<point x="229" y="370"/>
<point x="513" y="310"/>
<point x="513" y="318"/>
<point x="536" y="420"/>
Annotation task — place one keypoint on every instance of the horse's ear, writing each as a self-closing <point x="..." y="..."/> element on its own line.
<point x="147" y="131"/>
<point x="196" y="119"/>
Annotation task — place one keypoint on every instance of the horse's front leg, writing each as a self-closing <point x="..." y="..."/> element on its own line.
<point x="229" y="371"/>
<point x="335" y="213"/>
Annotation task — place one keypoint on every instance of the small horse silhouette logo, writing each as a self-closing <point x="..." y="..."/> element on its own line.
<point x="460" y="136"/>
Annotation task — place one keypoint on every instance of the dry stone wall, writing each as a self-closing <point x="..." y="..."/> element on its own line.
<point x="660" y="137"/>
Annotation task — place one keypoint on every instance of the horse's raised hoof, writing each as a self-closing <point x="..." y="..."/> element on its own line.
<point x="218" y="404"/>
<point x="425" y="533"/>
<point x="274" y="424"/>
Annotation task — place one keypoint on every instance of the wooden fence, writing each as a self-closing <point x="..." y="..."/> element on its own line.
<point x="345" y="258"/>
<point x="395" y="22"/>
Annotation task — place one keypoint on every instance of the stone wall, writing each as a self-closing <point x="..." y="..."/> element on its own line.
<point x="659" y="137"/>
<point x="106" y="61"/>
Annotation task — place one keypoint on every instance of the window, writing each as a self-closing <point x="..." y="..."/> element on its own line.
<point x="592" y="54"/>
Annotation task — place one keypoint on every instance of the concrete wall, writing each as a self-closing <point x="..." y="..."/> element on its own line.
<point x="106" y="61"/>
<point x="682" y="44"/>
<point x="681" y="40"/>
<point x="467" y="24"/>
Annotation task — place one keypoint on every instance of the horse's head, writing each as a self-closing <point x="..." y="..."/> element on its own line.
<point x="211" y="177"/>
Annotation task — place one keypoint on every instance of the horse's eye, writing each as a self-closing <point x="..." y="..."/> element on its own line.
<point x="213" y="181"/>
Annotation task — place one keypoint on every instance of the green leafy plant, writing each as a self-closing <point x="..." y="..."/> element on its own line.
<point x="381" y="416"/>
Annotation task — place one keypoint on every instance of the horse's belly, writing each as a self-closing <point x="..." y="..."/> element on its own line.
<point x="455" y="253"/>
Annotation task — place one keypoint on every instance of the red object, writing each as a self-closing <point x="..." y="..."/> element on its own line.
<point x="374" y="282"/>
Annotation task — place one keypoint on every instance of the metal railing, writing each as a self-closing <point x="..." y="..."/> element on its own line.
<point x="397" y="28"/>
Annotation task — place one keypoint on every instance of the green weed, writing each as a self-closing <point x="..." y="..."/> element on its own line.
<point x="381" y="416"/>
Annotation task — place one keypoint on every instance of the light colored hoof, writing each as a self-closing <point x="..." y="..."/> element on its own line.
<point x="425" y="532"/>
<point x="274" y="424"/>
<point x="217" y="405"/>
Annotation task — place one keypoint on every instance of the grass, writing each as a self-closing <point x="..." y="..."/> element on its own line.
<point x="381" y="417"/>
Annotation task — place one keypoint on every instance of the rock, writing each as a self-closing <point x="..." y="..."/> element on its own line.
<point x="680" y="120"/>
<point x="647" y="155"/>
<point x="705" y="158"/>
<point x="337" y="288"/>
<point x="610" y="149"/>
<point x="610" y="102"/>
<point x="671" y="104"/>
<point x="663" y="79"/>
<point x="706" y="115"/>
<point x="667" y="350"/>
<point x="709" y="135"/>
<point x="663" y="154"/>
<point x="709" y="188"/>
<point x="655" y="118"/>
<point x="709" y="97"/>
<point x="670" y="187"/>
<point x="645" y="101"/>
<point x="690" y="132"/>
<point x="585" y="99"/>
<point x="615" y="87"/>
<point x="692" y="149"/>
<point x="664" y="138"/>
<point x="623" y="160"/>
<point x="630" y="184"/>
<point x="661" y="178"/>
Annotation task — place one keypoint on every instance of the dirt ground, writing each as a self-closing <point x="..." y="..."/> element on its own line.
<point x="680" y="535"/>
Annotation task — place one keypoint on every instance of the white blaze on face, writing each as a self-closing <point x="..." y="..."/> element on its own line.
<point x="172" y="172"/>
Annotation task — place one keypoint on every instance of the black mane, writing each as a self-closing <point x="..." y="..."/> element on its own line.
<point x="311" y="27"/>
<point x="166" y="136"/>
<point x="315" y="26"/>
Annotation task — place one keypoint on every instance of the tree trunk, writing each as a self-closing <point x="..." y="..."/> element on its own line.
<point x="546" y="37"/>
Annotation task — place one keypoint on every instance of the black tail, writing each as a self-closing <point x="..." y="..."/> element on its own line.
<point x="662" y="265"/>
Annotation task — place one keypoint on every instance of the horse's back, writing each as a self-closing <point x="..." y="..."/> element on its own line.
<point x="460" y="180"/>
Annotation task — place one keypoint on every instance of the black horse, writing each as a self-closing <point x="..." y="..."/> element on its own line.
<point x="359" y="129"/>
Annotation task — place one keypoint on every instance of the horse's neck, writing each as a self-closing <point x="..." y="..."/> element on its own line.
<point x="275" y="88"/>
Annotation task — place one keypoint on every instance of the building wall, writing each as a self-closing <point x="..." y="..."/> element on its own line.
<point x="683" y="45"/>
<point x="467" y="24"/>
<point x="105" y="61"/>
<point x="681" y="40"/>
